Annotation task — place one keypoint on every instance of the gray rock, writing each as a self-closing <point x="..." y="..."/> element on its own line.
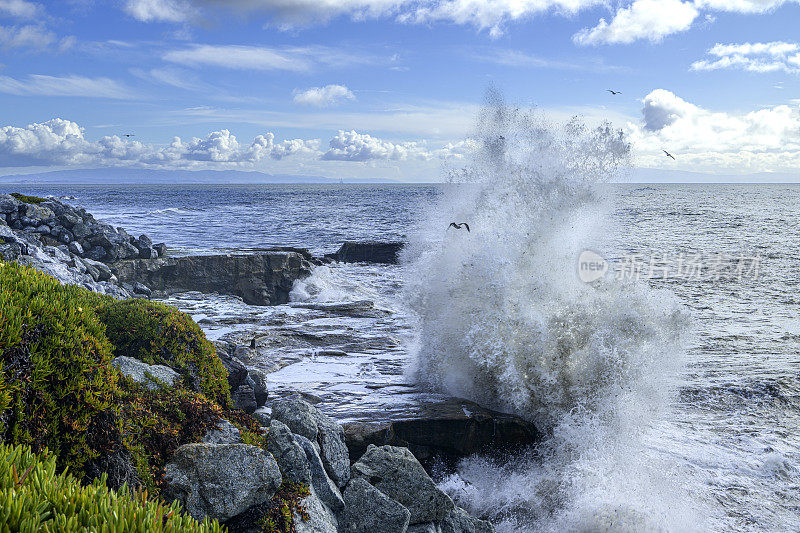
<point x="288" y="453"/>
<point x="35" y="212"/>
<point x="104" y="272"/>
<point x="44" y="229"/>
<point x="80" y="230"/>
<point x="151" y="376"/>
<point x="140" y="288"/>
<point x="8" y="204"/>
<point x="68" y="220"/>
<point x="244" y="398"/>
<point x="96" y="253"/>
<point x="76" y="248"/>
<point x="320" y="518"/>
<point x="298" y="415"/>
<point x="368" y="510"/>
<point x="324" y="487"/>
<point x="333" y="449"/>
<point x="65" y="236"/>
<point x="220" y="480"/>
<point x="161" y="248"/>
<point x="224" y="433"/>
<point x="459" y="521"/>
<point x="424" y="528"/>
<point x="259" y="384"/>
<point x="237" y="372"/>
<point x="397" y="473"/>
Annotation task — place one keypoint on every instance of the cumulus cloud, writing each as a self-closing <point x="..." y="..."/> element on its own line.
<point x="753" y="57"/>
<point x="39" y="84"/>
<point x="354" y="146"/>
<point x="766" y="139"/>
<point x="160" y="10"/>
<point x="19" y="8"/>
<point x="743" y="6"/>
<point x="27" y="36"/>
<point x="323" y="96"/>
<point x="644" y="19"/>
<point x="62" y="142"/>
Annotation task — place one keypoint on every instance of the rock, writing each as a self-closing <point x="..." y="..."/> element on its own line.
<point x="151" y="376"/>
<point x="76" y="248"/>
<point x="44" y="229"/>
<point x="259" y="279"/>
<point x="259" y="384"/>
<point x="35" y="212"/>
<point x="244" y="398"/>
<point x="220" y="480"/>
<point x="139" y="288"/>
<point x="368" y="510"/>
<point x="80" y="230"/>
<point x="459" y="521"/>
<point x="103" y="270"/>
<point x="144" y="241"/>
<point x="446" y="431"/>
<point x="95" y="253"/>
<point x="237" y="372"/>
<point x="320" y="518"/>
<point x="68" y="220"/>
<point x="333" y="449"/>
<point x="397" y="473"/>
<point x="161" y="248"/>
<point x="288" y="453"/>
<point x="324" y="487"/>
<point x="367" y="252"/>
<point x="430" y="527"/>
<point x="224" y="433"/>
<point x="8" y="204"/>
<point x="298" y="415"/>
<point x="65" y="236"/>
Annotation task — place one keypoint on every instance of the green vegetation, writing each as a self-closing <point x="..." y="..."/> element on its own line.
<point x="159" y="334"/>
<point x="28" y="199"/>
<point x="280" y="511"/>
<point x="34" y="498"/>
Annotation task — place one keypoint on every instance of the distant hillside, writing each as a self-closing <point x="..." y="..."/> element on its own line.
<point x="126" y="176"/>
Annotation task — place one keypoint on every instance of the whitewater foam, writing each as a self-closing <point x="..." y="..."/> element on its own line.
<point x="505" y="321"/>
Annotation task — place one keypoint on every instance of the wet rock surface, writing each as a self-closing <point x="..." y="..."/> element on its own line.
<point x="367" y="252"/>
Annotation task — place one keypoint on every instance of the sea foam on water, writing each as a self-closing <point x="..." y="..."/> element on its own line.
<point x="505" y="321"/>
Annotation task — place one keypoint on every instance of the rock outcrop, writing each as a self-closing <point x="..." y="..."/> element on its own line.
<point x="259" y="279"/>
<point x="150" y="376"/>
<point x="221" y="480"/>
<point x="367" y="252"/>
<point x="368" y="510"/>
<point x="446" y="431"/>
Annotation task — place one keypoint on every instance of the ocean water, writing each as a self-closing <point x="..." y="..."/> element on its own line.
<point x="672" y="401"/>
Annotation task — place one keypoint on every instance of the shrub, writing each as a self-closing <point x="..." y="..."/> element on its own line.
<point x="28" y="199"/>
<point x="159" y="334"/>
<point x="57" y="389"/>
<point x="34" y="498"/>
<point x="284" y="505"/>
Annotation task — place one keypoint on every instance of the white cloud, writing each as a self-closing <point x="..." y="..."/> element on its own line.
<point x="743" y="6"/>
<point x="28" y="36"/>
<point x="323" y="96"/>
<point x="354" y="146"/>
<point x="644" y="19"/>
<point x="72" y="85"/>
<point x="264" y="58"/>
<point x="160" y="10"/>
<point x="753" y="57"/>
<point x="62" y="142"/>
<point x="19" y="8"/>
<point x="763" y="140"/>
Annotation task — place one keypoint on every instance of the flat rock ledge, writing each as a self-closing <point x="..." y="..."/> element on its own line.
<point x="264" y="278"/>
<point x="367" y="252"/>
<point x="447" y="431"/>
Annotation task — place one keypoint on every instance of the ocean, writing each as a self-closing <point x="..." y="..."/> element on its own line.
<point x="694" y="434"/>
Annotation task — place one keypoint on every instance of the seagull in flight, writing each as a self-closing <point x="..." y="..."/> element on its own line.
<point x="130" y="135"/>
<point x="458" y="226"/>
<point x="614" y="92"/>
<point x="669" y="154"/>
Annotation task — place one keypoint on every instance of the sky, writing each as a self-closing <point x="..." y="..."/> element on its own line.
<point x="390" y="88"/>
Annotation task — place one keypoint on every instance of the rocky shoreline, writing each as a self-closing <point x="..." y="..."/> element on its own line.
<point x="361" y="478"/>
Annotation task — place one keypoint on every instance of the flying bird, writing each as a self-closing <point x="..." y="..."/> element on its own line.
<point x="669" y="154"/>
<point x="614" y="92"/>
<point x="458" y="226"/>
<point x="130" y="135"/>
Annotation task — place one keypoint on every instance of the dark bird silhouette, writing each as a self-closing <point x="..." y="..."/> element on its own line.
<point x="458" y="226"/>
<point x="614" y="92"/>
<point x="253" y="344"/>
<point x="669" y="154"/>
<point x="130" y="135"/>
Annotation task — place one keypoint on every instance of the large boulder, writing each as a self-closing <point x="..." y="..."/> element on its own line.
<point x="151" y="376"/>
<point x="306" y="420"/>
<point x="259" y="279"/>
<point x="220" y="481"/>
<point x="324" y="487"/>
<point x="397" y="473"/>
<point x="459" y="521"/>
<point x="223" y="433"/>
<point x="288" y="453"/>
<point x="320" y="518"/>
<point x="368" y="510"/>
<point x="367" y="252"/>
<point x="446" y="431"/>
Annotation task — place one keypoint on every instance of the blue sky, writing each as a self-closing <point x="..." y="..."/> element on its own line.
<point x="389" y="88"/>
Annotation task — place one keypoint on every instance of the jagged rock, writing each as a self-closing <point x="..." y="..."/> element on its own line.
<point x="80" y="230"/>
<point x="224" y="433"/>
<point x="96" y="253"/>
<point x="237" y="372"/>
<point x="259" y="384"/>
<point x="320" y="518"/>
<point x="397" y="473"/>
<point x="368" y="510"/>
<point x="76" y="248"/>
<point x="298" y="415"/>
<point x="244" y="398"/>
<point x="44" y="228"/>
<point x="424" y="528"/>
<point x="459" y="521"/>
<point x="220" y="480"/>
<point x="259" y="279"/>
<point x="324" y="487"/>
<point x="447" y="431"/>
<point x="8" y="204"/>
<point x="288" y="453"/>
<point x="333" y="449"/>
<point x="139" y="288"/>
<point x="367" y="252"/>
<point x="161" y="248"/>
<point x="151" y="376"/>
<point x="104" y="272"/>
